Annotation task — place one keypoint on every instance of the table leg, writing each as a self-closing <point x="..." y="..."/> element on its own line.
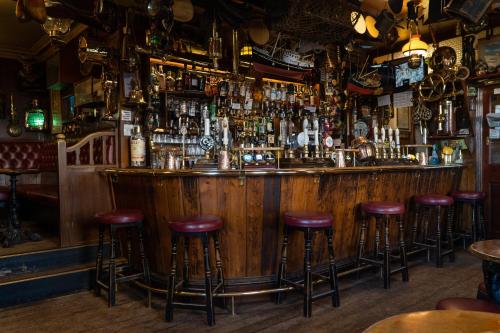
<point x="13" y="233"/>
<point x="491" y="273"/>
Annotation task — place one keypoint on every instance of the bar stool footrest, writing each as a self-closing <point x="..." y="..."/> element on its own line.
<point x="189" y="306"/>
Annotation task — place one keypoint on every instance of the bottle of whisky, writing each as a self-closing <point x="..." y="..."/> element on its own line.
<point x="137" y="148"/>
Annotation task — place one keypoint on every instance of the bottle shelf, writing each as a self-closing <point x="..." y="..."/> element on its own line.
<point x="448" y="137"/>
<point x="186" y="93"/>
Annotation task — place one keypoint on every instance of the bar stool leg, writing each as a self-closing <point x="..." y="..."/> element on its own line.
<point x="208" y="281"/>
<point x="402" y="248"/>
<point x="129" y="248"/>
<point x="169" y="310"/>
<point x="362" y="240"/>
<point x="98" y="266"/>
<point x="144" y="261"/>
<point x="386" y="270"/>
<point x="218" y="265"/>
<point x="282" y="267"/>
<point x="459" y="210"/>
<point x="307" y="273"/>
<point x="449" y="232"/>
<point x="378" y="224"/>
<point x="185" y="270"/>
<point x="332" y="269"/>
<point x="439" y="260"/>
<point x="415" y="225"/>
<point x="482" y="225"/>
<point x="426" y="215"/>
<point x="474" y="223"/>
<point x="112" y="268"/>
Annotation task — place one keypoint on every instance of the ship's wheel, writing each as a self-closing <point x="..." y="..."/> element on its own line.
<point x="432" y="87"/>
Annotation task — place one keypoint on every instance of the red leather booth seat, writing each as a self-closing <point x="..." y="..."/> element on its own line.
<point x="32" y="155"/>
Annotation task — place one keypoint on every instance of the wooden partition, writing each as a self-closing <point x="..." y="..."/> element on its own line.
<point x="252" y="204"/>
<point x="83" y="189"/>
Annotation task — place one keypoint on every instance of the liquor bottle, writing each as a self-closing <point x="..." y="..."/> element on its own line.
<point x="278" y="92"/>
<point x="186" y="78"/>
<point x="194" y="82"/>
<point x="137" y="148"/>
<point x="273" y="92"/>
<point x="270" y="130"/>
<point x="169" y="81"/>
<point x="283" y="90"/>
<point x="179" y="83"/>
<point x="267" y="91"/>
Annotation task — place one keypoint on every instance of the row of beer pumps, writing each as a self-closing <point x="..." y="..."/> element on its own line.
<point x="387" y="146"/>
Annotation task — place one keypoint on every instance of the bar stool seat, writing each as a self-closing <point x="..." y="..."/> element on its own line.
<point x="434" y="200"/>
<point x="467" y="304"/>
<point x="468" y="195"/>
<point x="196" y="223"/>
<point x="130" y="220"/>
<point x="120" y="216"/>
<point x="308" y="220"/>
<point x="383" y="208"/>
<point x="204" y="227"/>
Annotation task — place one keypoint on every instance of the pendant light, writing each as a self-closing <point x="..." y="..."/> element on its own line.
<point x="415" y="48"/>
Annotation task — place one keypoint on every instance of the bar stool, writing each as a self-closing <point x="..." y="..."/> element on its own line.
<point x="383" y="210"/>
<point x="476" y="202"/>
<point x="128" y="219"/>
<point x="309" y="222"/>
<point x="202" y="226"/>
<point x="428" y="203"/>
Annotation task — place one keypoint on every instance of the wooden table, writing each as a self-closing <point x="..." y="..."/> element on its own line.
<point x="13" y="234"/>
<point x="489" y="252"/>
<point x="442" y="321"/>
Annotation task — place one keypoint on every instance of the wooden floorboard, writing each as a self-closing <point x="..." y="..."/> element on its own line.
<point x="363" y="302"/>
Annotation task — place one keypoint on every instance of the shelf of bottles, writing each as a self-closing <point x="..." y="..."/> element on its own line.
<point x="210" y="118"/>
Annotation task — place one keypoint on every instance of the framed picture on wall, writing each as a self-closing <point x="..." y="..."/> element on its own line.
<point x="403" y="118"/>
<point x="489" y="51"/>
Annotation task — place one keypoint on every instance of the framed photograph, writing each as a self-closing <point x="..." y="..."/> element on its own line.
<point x="489" y="51"/>
<point x="403" y="121"/>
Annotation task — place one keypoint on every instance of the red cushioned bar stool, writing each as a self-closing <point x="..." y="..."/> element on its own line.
<point x="129" y="220"/>
<point x="383" y="211"/>
<point x="203" y="226"/>
<point x="476" y="201"/>
<point x="309" y="222"/>
<point x="425" y="205"/>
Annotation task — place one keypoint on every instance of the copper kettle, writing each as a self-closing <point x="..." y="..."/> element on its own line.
<point x="366" y="149"/>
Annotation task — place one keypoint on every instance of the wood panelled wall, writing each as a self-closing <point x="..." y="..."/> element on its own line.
<point x="252" y="206"/>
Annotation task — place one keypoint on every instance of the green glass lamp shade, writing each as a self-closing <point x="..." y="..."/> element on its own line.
<point x="35" y="118"/>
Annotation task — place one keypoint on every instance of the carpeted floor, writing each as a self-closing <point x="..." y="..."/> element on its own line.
<point x="363" y="302"/>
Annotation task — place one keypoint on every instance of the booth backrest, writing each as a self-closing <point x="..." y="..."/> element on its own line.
<point x="28" y="155"/>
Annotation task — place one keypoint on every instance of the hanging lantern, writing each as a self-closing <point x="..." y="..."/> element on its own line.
<point x="415" y="46"/>
<point x="35" y="119"/>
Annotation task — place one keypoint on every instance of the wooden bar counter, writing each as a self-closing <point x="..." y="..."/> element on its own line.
<point x="252" y="203"/>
